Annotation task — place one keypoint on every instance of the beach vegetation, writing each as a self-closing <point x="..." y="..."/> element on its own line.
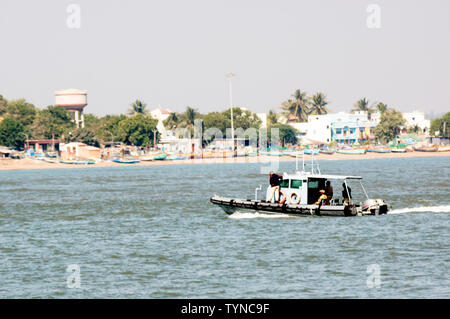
<point x="441" y="126"/>
<point x="138" y="130"/>
<point x="389" y="126"/>
<point x="318" y="104"/>
<point x="297" y="109"/>
<point x="12" y="133"/>
<point x="272" y="118"/>
<point x="138" y="107"/>
<point x="286" y="133"/>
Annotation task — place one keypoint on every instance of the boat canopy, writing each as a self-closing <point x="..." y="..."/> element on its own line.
<point x="340" y="177"/>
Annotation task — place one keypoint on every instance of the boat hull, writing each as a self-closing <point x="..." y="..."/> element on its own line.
<point x="231" y="206"/>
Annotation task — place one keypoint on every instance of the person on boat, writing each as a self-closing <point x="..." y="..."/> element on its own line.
<point x="329" y="192"/>
<point x="346" y="195"/>
<point x="274" y="187"/>
<point x="322" y="199"/>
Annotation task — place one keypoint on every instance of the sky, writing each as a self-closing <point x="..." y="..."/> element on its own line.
<point x="176" y="53"/>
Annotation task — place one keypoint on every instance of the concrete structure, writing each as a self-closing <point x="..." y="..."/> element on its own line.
<point x="73" y="101"/>
<point x="161" y="115"/>
<point x="41" y="146"/>
<point x="349" y="128"/>
<point x="77" y="150"/>
<point x="416" y="118"/>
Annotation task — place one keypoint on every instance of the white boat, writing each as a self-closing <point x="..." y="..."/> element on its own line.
<point x="299" y="193"/>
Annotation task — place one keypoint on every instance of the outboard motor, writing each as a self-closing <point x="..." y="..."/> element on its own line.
<point x="374" y="207"/>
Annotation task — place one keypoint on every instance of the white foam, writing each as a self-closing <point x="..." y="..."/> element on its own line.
<point x="248" y="215"/>
<point x="422" y="209"/>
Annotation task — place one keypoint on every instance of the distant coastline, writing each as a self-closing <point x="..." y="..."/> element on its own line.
<point x="31" y="164"/>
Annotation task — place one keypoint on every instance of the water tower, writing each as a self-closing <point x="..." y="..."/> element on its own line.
<point x="73" y="101"/>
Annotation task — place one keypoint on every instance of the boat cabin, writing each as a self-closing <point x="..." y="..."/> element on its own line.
<point x="304" y="188"/>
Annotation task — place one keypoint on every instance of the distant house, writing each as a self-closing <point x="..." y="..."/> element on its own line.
<point x="5" y="152"/>
<point x="161" y="115"/>
<point x="41" y="146"/>
<point x="77" y="150"/>
<point x="349" y="128"/>
<point x="416" y="118"/>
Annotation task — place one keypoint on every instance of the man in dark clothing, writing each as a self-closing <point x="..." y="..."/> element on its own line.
<point x="346" y="195"/>
<point x="274" y="181"/>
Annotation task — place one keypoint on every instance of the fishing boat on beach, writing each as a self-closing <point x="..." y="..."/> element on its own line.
<point x="444" y="148"/>
<point x="309" y="151"/>
<point x="379" y="150"/>
<point x="398" y="150"/>
<point x="326" y="151"/>
<point x="426" y="149"/>
<point x="77" y="162"/>
<point x="126" y="160"/>
<point x="351" y="151"/>
<point x="299" y="194"/>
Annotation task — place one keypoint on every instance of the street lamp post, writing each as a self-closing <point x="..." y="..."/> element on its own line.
<point x="230" y="76"/>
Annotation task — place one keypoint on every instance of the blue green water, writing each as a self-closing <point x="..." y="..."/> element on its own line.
<point x="150" y="232"/>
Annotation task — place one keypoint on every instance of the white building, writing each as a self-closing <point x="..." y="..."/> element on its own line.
<point x="417" y="118"/>
<point x="317" y="129"/>
<point x="161" y="115"/>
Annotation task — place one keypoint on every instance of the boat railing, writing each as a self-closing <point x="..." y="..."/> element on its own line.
<point x="313" y="166"/>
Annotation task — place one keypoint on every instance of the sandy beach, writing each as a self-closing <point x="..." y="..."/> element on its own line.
<point x="30" y="164"/>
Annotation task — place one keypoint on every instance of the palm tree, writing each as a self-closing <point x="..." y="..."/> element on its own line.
<point x="362" y="105"/>
<point x="272" y="118"/>
<point x="297" y="108"/>
<point x="381" y="107"/>
<point x="187" y="119"/>
<point x="172" y="121"/>
<point x="318" y="103"/>
<point x="138" y="107"/>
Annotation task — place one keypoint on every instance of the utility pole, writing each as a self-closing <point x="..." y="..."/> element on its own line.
<point x="230" y="76"/>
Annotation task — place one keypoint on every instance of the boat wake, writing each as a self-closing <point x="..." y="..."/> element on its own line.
<point x="422" y="209"/>
<point x="247" y="215"/>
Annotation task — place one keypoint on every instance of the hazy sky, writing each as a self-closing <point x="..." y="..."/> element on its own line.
<point x="176" y="53"/>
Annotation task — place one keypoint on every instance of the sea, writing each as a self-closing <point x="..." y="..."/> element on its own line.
<point x="151" y="232"/>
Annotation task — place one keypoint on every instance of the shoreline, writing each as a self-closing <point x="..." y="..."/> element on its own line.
<point x="32" y="164"/>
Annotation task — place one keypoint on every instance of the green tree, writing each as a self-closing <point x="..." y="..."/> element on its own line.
<point x="187" y="119"/>
<point x="271" y="118"/>
<point x="110" y="127"/>
<point x="83" y="135"/>
<point x="138" y="107"/>
<point x="441" y="125"/>
<point x="11" y="133"/>
<point x="286" y="133"/>
<point x="414" y="129"/>
<point x="217" y="120"/>
<point x="21" y="111"/>
<point x="52" y="122"/>
<point x="319" y="103"/>
<point x="389" y="125"/>
<point x="3" y="105"/>
<point x="138" y="130"/>
<point x="298" y="107"/>
<point x="243" y="118"/>
<point x="362" y="105"/>
<point x="171" y="121"/>
<point x="381" y="107"/>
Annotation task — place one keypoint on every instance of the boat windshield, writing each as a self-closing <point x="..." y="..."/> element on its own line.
<point x="284" y="183"/>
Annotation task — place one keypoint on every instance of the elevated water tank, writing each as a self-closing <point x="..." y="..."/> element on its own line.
<point x="73" y="100"/>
